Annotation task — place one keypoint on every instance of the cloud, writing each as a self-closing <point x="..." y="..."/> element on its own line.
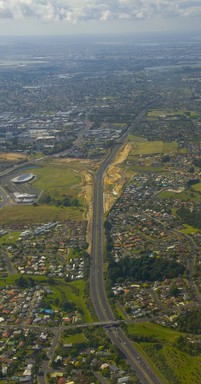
<point x="73" y="11"/>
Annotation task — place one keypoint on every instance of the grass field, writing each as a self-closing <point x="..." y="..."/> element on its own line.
<point x="11" y="279"/>
<point x="175" y="365"/>
<point x="57" y="180"/>
<point x="155" y="331"/>
<point x="10" y="238"/>
<point x="188" y="229"/>
<point x="40" y="214"/>
<point x="145" y="168"/>
<point x="120" y="125"/>
<point x="171" y="114"/>
<point x="197" y="187"/>
<point x="73" y="292"/>
<point x="80" y="297"/>
<point x="119" y="312"/>
<point x="185" y="195"/>
<point x="78" y="338"/>
<point x="151" y="147"/>
<point x="135" y="138"/>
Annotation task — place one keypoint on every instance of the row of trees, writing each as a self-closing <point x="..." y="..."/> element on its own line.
<point x="65" y="201"/>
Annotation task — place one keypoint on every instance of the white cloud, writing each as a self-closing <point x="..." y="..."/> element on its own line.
<point x="73" y="11"/>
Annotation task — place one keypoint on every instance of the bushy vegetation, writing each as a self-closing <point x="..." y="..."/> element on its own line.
<point x="192" y="218"/>
<point x="197" y="162"/>
<point x="25" y="282"/>
<point x="144" y="268"/>
<point x="190" y="321"/>
<point x="65" y="201"/>
<point x="184" y="344"/>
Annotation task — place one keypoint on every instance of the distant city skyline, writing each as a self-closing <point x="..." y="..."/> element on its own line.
<point x="49" y="17"/>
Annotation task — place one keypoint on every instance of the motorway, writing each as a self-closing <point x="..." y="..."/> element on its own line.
<point x="4" y="198"/>
<point x="138" y="363"/>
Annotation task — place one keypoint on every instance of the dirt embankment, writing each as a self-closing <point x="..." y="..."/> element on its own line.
<point x="12" y="157"/>
<point x="87" y="191"/>
<point x="115" y="178"/>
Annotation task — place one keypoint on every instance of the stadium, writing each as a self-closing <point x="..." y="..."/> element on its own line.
<point x="24" y="178"/>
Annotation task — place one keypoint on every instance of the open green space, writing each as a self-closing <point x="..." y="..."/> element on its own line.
<point x="135" y="138"/>
<point x="188" y="229"/>
<point x="78" y="338"/>
<point x="11" y="279"/>
<point x="71" y="292"/>
<point x="197" y="187"/>
<point x="155" y="331"/>
<point x="113" y="124"/>
<point x="184" y="195"/>
<point x="78" y="296"/>
<point x="175" y="365"/>
<point x="72" y="254"/>
<point x="9" y="238"/>
<point x="145" y="168"/>
<point x="119" y="311"/>
<point x="39" y="214"/>
<point x="152" y="147"/>
<point x="171" y="114"/>
<point x="160" y="345"/>
<point x="56" y="180"/>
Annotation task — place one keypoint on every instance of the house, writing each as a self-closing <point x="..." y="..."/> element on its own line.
<point x="62" y="380"/>
<point x="123" y="380"/>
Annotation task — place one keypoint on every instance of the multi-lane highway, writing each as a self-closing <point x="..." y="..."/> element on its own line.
<point x="103" y="310"/>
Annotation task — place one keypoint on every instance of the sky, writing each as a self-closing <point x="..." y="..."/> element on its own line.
<point x="55" y="17"/>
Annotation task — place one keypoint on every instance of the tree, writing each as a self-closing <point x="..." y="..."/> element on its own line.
<point x="174" y="291"/>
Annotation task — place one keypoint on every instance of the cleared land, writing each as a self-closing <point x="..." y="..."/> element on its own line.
<point x="40" y="214"/>
<point x="12" y="157"/>
<point x="115" y="178"/>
